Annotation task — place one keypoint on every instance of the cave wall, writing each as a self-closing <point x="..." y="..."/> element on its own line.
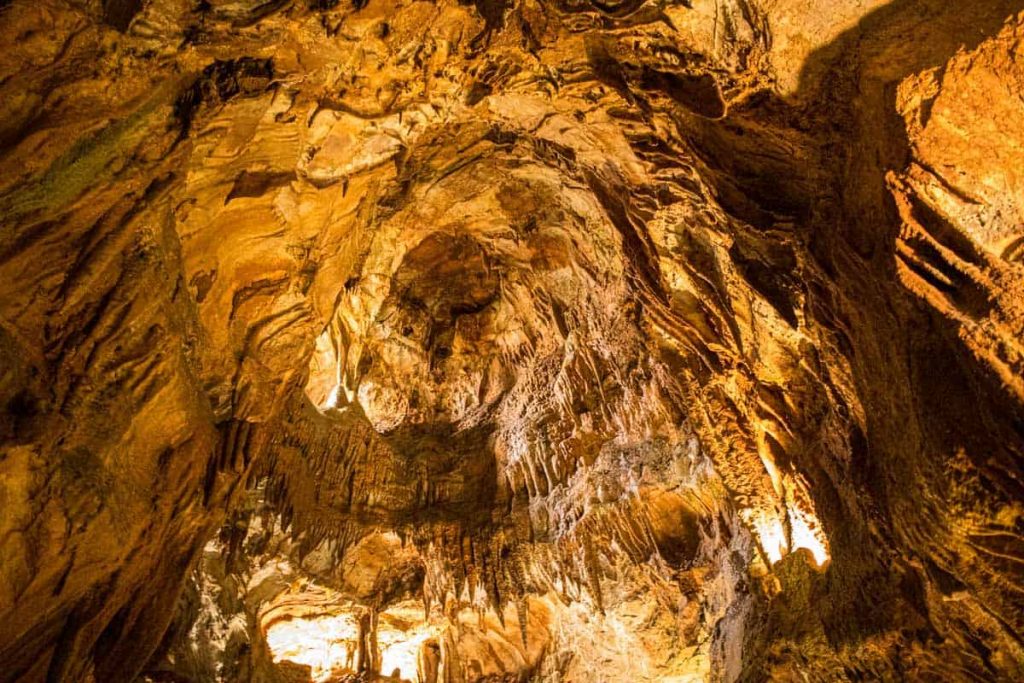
<point x="722" y="297"/>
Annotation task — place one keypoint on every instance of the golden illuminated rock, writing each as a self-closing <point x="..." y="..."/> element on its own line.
<point x="554" y="340"/>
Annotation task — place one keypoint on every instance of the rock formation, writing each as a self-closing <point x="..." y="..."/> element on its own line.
<point x="507" y="340"/>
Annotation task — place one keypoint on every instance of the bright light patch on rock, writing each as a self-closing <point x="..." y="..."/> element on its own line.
<point x="806" y="532"/>
<point x="324" y="643"/>
<point x="401" y="635"/>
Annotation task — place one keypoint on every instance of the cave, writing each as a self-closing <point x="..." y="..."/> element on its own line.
<point x="567" y="341"/>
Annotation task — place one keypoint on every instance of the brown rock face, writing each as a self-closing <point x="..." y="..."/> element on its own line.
<point x="554" y="340"/>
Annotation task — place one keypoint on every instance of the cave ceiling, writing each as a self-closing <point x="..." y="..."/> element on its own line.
<point x="554" y="340"/>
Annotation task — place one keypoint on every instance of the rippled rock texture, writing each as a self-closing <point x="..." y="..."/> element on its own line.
<point x="511" y="340"/>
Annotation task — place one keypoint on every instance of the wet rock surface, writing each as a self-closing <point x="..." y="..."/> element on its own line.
<point x="561" y="341"/>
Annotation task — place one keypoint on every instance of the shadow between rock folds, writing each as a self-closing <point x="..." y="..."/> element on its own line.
<point x="679" y="337"/>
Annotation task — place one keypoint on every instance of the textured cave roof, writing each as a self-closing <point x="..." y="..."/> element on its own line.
<point x="705" y="311"/>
